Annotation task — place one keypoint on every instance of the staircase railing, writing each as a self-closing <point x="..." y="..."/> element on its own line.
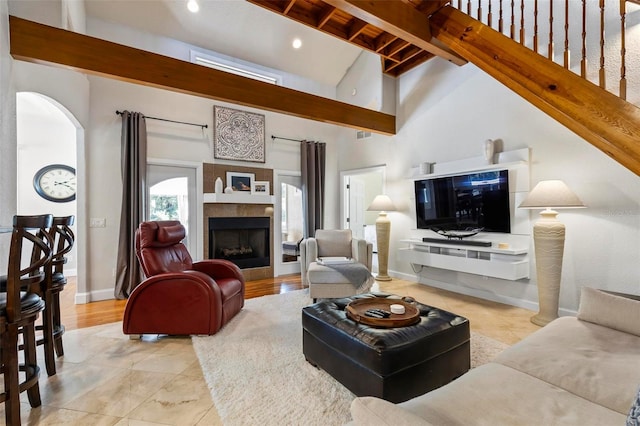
<point x="592" y="38"/>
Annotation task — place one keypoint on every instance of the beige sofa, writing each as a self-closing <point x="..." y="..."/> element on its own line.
<point x="574" y="371"/>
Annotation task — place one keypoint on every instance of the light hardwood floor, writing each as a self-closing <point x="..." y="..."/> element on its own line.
<point x="108" y="311"/>
<point x="107" y="379"/>
<point x="501" y="322"/>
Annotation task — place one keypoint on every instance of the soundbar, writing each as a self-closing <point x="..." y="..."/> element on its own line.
<point x="457" y="242"/>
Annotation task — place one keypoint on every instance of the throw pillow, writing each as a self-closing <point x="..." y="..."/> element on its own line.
<point x="633" y="419"/>
<point x="617" y="312"/>
<point x="334" y="242"/>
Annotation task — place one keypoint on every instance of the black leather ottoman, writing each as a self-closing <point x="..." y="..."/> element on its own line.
<point x="395" y="364"/>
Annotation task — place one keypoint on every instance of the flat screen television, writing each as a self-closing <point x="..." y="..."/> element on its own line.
<point x="466" y="202"/>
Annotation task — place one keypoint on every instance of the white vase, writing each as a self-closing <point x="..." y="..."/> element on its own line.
<point x="489" y="150"/>
<point x="218" y="186"/>
<point x="228" y="190"/>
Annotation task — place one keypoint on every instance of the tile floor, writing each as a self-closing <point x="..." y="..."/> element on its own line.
<point x="107" y="379"/>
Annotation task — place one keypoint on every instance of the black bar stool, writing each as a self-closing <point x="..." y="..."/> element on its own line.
<point x="52" y="329"/>
<point x="20" y="305"/>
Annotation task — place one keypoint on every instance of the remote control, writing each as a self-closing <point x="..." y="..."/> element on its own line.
<point x="382" y="312"/>
<point x="373" y="313"/>
<point x="377" y="313"/>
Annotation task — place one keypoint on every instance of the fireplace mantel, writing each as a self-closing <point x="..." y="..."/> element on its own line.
<point x="238" y="198"/>
<point x="238" y="204"/>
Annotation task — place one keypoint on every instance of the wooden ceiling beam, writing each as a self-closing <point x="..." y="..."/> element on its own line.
<point x="326" y="14"/>
<point x="288" y="7"/>
<point x="409" y="64"/>
<point x="601" y="118"/>
<point x="396" y="47"/>
<point x="273" y="6"/>
<point x="384" y="40"/>
<point x="356" y="29"/>
<point x="42" y="44"/>
<point x="404" y="57"/>
<point x="364" y="42"/>
<point x="399" y="19"/>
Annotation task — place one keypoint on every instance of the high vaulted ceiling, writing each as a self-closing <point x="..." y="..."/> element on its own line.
<point x="332" y="35"/>
<point x="398" y="54"/>
<point x="238" y="29"/>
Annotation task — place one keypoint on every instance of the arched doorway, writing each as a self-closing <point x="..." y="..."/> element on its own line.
<point x="289" y="221"/>
<point x="48" y="134"/>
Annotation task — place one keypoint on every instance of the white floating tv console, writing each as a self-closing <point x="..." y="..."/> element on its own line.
<point x="505" y="263"/>
<point x="508" y="263"/>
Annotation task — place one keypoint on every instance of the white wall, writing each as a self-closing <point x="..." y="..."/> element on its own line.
<point x="8" y="148"/>
<point x="444" y="113"/>
<point x="173" y="142"/>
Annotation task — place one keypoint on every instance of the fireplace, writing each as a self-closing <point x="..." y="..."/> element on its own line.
<point x="241" y="240"/>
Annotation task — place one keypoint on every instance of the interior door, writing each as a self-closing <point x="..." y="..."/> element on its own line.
<point x="172" y="196"/>
<point x="356" y="206"/>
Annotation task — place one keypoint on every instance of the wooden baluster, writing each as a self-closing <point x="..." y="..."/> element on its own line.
<point x="500" y="20"/>
<point x="583" y="62"/>
<point x="566" y="34"/>
<point x="469" y="7"/>
<point x="623" y="49"/>
<point x="535" y="26"/>
<point x="489" y="15"/>
<point x="550" y="54"/>
<point x="521" y="21"/>
<point x="459" y="4"/>
<point x="602" y="74"/>
<point x="480" y="10"/>
<point x="513" y="22"/>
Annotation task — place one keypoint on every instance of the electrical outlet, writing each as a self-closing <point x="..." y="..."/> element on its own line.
<point x="97" y="222"/>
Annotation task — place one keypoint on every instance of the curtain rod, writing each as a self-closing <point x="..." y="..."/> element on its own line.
<point x="286" y="139"/>
<point x="204" y="126"/>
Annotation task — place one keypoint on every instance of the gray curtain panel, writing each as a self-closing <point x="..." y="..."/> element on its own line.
<point x="134" y="194"/>
<point x="313" y="156"/>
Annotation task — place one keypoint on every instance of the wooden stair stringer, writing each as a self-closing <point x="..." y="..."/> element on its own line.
<point x="606" y="121"/>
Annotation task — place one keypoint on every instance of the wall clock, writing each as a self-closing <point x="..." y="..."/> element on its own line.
<point x="56" y="182"/>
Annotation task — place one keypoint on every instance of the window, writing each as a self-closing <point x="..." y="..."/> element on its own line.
<point x="235" y="66"/>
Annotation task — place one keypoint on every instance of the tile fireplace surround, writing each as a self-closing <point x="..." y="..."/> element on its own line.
<point x="210" y="173"/>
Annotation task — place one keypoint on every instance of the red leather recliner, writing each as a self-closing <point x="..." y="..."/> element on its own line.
<point x="180" y="296"/>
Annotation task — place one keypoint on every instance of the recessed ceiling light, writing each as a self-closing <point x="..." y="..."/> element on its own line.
<point x="297" y="43"/>
<point x="193" y="6"/>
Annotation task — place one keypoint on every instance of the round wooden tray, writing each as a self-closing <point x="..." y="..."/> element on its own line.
<point x="356" y="309"/>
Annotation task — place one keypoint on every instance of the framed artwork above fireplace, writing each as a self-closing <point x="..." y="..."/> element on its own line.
<point x="238" y="135"/>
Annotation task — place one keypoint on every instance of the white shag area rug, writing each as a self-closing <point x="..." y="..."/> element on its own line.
<point x="257" y="373"/>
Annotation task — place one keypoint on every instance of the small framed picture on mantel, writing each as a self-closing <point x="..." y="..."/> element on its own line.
<point x="260" y="187"/>
<point x="240" y="182"/>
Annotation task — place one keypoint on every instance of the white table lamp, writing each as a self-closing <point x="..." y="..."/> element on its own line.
<point x="383" y="204"/>
<point x="548" y="239"/>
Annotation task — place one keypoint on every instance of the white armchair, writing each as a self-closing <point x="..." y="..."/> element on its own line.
<point x="333" y="242"/>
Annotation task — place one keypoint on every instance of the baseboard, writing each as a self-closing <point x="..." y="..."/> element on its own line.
<point x="94" y="296"/>
<point x="481" y="294"/>
<point x="82" y="298"/>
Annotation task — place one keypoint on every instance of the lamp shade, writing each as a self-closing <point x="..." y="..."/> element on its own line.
<point x="551" y="194"/>
<point x="382" y="203"/>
